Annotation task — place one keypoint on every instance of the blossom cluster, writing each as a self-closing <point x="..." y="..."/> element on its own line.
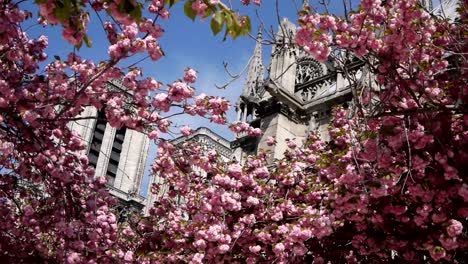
<point x="389" y="185"/>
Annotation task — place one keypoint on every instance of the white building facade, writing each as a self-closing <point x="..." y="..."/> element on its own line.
<point x="118" y="154"/>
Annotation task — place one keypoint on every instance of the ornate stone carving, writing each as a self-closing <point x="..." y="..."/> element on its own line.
<point x="307" y="70"/>
<point x="208" y="140"/>
<point x="209" y="143"/>
<point x="308" y="90"/>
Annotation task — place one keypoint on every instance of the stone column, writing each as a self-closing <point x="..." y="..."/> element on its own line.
<point x="239" y="112"/>
<point x="244" y="115"/>
<point x="105" y="152"/>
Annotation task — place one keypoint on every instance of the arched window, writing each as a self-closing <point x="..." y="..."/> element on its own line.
<point x="427" y="4"/>
<point x="307" y="70"/>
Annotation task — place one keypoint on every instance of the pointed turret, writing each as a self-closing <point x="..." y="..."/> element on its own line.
<point x="248" y="103"/>
<point x="283" y="57"/>
<point x="253" y="87"/>
<point x="256" y="70"/>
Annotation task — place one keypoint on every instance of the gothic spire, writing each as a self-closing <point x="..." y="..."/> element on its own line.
<point x="256" y="69"/>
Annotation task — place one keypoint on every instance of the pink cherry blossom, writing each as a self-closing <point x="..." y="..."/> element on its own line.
<point x="455" y="228"/>
<point x="190" y="75"/>
<point x="186" y="131"/>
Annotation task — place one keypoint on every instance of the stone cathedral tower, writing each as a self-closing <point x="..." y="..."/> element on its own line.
<point x="118" y="154"/>
<point x="296" y="96"/>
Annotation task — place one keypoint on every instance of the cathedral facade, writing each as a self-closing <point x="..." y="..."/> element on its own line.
<point x="296" y="96"/>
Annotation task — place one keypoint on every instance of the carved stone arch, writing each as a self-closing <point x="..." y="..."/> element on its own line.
<point x="308" y="69"/>
<point x="427" y="4"/>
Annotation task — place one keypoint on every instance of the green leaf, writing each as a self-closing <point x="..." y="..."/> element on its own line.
<point x="215" y="26"/>
<point x="236" y="28"/>
<point x="136" y="13"/>
<point x="62" y="12"/>
<point x="188" y="10"/>
<point x="87" y="41"/>
<point x="231" y="24"/>
<point x="219" y="17"/>
<point x="78" y="46"/>
<point x="171" y="2"/>
<point x="217" y="23"/>
<point x="302" y="13"/>
<point x="209" y="12"/>
<point x="247" y="26"/>
<point x="228" y="18"/>
<point x="162" y="52"/>
<point x="122" y="6"/>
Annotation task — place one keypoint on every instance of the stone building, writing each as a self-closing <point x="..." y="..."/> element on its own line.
<point x="118" y="154"/>
<point x="296" y="96"/>
<point x="209" y="140"/>
<point x="298" y="92"/>
<point x="206" y="138"/>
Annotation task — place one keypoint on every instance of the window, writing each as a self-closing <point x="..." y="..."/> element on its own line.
<point x="307" y="70"/>
<point x="96" y="141"/>
<point x="114" y="157"/>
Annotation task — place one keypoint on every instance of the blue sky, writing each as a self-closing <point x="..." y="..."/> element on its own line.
<point x="188" y="44"/>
